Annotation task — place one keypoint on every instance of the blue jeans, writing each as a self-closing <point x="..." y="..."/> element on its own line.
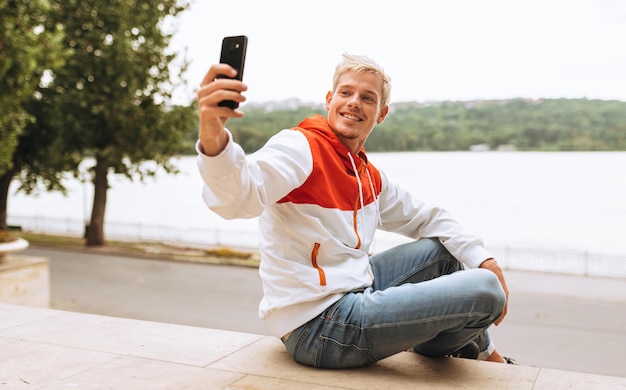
<point x="422" y="299"/>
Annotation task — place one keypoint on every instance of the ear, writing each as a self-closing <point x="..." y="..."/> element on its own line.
<point x="329" y="97"/>
<point x="383" y="114"/>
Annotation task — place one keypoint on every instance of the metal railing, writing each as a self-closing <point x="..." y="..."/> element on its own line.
<point x="510" y="257"/>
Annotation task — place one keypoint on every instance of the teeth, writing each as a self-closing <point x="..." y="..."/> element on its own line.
<point x="352" y="117"/>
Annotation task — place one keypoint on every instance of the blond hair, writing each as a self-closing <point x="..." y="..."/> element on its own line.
<point x="357" y="63"/>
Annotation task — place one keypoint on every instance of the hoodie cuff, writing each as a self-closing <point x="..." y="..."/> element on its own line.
<point x="475" y="255"/>
<point x="221" y="164"/>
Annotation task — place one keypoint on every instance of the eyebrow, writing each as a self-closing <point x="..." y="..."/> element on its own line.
<point x="351" y="86"/>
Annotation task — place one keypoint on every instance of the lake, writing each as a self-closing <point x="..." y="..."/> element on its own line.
<point x="571" y="203"/>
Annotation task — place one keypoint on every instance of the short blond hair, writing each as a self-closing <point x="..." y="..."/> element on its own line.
<point x="358" y="63"/>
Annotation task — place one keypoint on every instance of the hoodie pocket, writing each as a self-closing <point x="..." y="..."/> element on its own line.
<point x="319" y="269"/>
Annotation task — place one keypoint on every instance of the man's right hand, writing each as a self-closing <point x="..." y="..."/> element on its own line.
<point x="212" y="118"/>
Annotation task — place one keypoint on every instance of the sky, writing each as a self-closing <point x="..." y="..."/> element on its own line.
<point x="433" y="50"/>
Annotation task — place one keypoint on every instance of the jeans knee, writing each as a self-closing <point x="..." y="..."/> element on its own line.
<point x="491" y="290"/>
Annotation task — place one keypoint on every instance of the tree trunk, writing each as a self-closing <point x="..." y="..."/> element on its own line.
<point x="95" y="230"/>
<point x="5" y="182"/>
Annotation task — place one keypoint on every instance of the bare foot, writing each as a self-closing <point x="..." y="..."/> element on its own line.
<point x="495" y="357"/>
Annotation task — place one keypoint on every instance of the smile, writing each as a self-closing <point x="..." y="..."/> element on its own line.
<point x="351" y="117"/>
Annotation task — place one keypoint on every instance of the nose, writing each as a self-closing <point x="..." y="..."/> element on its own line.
<point x="354" y="101"/>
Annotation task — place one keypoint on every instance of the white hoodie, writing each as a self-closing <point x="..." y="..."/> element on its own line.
<point x="318" y="207"/>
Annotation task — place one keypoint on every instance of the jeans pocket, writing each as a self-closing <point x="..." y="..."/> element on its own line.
<point x="333" y="354"/>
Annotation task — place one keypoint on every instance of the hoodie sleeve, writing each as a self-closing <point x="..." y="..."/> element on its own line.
<point x="237" y="185"/>
<point x="403" y="213"/>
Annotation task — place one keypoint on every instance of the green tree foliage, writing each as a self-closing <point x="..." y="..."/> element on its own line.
<point x="544" y="125"/>
<point x="541" y="125"/>
<point x="111" y="99"/>
<point x="28" y="45"/>
<point x="257" y="125"/>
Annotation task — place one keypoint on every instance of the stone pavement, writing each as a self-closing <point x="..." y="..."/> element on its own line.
<point x="562" y="322"/>
<point x="51" y="349"/>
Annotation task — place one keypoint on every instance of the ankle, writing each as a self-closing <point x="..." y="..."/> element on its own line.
<point x="495" y="357"/>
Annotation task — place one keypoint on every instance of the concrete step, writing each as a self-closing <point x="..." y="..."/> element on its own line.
<point x="52" y="349"/>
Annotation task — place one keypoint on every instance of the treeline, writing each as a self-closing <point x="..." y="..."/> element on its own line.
<point x="520" y="124"/>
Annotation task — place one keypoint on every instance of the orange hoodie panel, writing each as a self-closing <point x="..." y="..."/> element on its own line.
<point x="333" y="183"/>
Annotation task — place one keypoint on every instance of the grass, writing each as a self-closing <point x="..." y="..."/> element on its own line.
<point x="146" y="249"/>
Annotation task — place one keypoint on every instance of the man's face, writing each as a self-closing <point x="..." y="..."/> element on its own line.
<point x="354" y="107"/>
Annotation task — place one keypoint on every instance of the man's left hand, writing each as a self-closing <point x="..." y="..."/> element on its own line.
<point x="493" y="266"/>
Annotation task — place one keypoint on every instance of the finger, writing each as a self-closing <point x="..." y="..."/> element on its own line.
<point x="216" y="84"/>
<point x="499" y="320"/>
<point x="214" y="116"/>
<point x="218" y="69"/>
<point x="231" y="84"/>
<point x="222" y="89"/>
<point x="229" y="95"/>
<point x="506" y="305"/>
<point x="209" y="76"/>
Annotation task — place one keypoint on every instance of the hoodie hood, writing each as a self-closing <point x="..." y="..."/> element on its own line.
<point x="319" y="125"/>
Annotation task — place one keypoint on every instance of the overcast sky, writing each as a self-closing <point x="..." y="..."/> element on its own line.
<point x="432" y="49"/>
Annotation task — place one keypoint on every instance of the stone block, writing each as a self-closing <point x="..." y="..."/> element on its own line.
<point x="25" y="280"/>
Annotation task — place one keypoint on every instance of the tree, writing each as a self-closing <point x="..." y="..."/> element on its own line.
<point x="112" y="97"/>
<point x="28" y="45"/>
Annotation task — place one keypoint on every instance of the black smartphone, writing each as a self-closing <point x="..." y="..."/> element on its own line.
<point x="233" y="54"/>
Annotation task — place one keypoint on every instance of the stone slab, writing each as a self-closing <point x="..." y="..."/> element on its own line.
<point x="54" y="349"/>
<point x="25" y="280"/>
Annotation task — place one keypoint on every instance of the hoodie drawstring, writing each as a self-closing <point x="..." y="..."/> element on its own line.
<point x="358" y="180"/>
<point x="369" y="177"/>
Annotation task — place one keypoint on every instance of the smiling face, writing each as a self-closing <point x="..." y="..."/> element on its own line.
<point x="354" y="107"/>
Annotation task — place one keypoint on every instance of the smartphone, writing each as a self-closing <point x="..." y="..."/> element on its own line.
<point x="233" y="54"/>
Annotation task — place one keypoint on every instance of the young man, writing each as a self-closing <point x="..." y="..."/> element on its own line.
<point x="320" y="202"/>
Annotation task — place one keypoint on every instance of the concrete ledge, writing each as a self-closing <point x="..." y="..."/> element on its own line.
<point x="52" y="349"/>
<point x="25" y="280"/>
